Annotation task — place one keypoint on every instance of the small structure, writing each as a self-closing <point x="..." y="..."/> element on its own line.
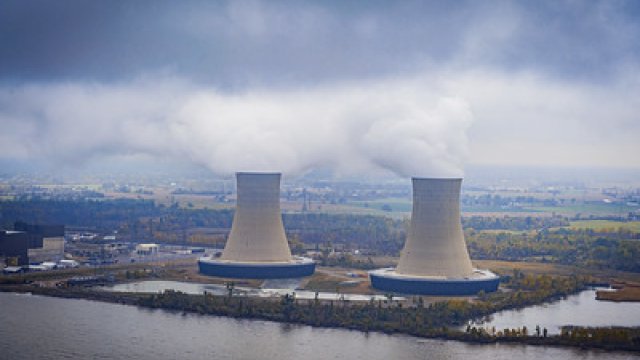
<point x="147" y="249"/>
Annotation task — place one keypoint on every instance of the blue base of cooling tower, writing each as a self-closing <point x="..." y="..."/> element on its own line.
<point x="388" y="280"/>
<point x="259" y="270"/>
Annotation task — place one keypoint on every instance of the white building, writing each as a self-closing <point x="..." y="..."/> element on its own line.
<point x="147" y="249"/>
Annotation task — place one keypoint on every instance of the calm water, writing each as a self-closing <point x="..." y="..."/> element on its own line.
<point x="581" y="309"/>
<point x="269" y="289"/>
<point x="36" y="327"/>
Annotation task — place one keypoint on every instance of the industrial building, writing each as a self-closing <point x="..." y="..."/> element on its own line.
<point x="32" y="243"/>
<point x="435" y="260"/>
<point x="52" y="236"/>
<point x="14" y="246"/>
<point x="257" y="246"/>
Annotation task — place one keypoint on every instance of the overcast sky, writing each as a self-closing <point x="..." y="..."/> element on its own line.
<point x="419" y="88"/>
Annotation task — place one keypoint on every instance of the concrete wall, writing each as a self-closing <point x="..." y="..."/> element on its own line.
<point x="257" y="233"/>
<point x="261" y="271"/>
<point x="435" y="243"/>
<point x="435" y="287"/>
<point x="52" y="250"/>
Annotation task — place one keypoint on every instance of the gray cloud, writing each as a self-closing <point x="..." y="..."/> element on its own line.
<point x="421" y="125"/>
<point x="240" y="44"/>
<point x="409" y="86"/>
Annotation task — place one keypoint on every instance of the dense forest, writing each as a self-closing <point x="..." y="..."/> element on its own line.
<point x="545" y="239"/>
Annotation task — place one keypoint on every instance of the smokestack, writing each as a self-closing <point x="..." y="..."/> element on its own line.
<point x="435" y="243"/>
<point x="434" y="260"/>
<point x="257" y="246"/>
<point x="257" y="233"/>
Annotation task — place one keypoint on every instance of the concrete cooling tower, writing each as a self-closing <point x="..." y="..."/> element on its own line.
<point x="257" y="246"/>
<point x="435" y="260"/>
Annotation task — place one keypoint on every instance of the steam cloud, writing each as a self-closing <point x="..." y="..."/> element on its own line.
<point x="400" y="125"/>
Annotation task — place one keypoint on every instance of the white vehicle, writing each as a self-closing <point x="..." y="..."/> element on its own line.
<point x="65" y="264"/>
<point x="48" y="265"/>
<point x="13" y="270"/>
<point x="37" y="268"/>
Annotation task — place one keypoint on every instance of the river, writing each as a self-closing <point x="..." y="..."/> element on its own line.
<point x="38" y="327"/>
<point x="580" y="309"/>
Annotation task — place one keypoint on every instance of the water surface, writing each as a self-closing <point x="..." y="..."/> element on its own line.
<point x="38" y="327"/>
<point x="269" y="289"/>
<point x="580" y="309"/>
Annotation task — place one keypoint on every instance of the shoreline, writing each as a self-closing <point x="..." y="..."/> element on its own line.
<point x="621" y="292"/>
<point x="287" y="310"/>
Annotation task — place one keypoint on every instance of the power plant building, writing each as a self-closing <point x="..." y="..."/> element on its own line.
<point x="52" y="243"/>
<point x="435" y="260"/>
<point x="32" y="244"/>
<point x="257" y="246"/>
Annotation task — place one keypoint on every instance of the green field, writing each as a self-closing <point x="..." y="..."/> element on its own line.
<point x="600" y="225"/>
<point x="589" y="209"/>
<point x="512" y="232"/>
<point x="385" y="205"/>
<point x="497" y="209"/>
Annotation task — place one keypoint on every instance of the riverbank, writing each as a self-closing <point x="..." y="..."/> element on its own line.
<point x="414" y="317"/>
<point x="621" y="292"/>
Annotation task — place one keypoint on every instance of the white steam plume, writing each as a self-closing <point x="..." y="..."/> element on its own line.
<point x="400" y="125"/>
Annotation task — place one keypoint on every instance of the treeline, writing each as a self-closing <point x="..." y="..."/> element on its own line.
<point x="380" y="234"/>
<point x="604" y="250"/>
<point x="100" y="215"/>
<point x="608" y="338"/>
<point x="524" y="238"/>
<point x="517" y="223"/>
<point x="497" y="201"/>
<point x="142" y="220"/>
<point x="614" y="337"/>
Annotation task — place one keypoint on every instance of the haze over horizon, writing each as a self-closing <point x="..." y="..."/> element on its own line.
<point x="416" y="88"/>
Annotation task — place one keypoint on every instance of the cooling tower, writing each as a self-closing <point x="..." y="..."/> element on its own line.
<point x="257" y="245"/>
<point x="435" y="258"/>
<point x="257" y="233"/>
